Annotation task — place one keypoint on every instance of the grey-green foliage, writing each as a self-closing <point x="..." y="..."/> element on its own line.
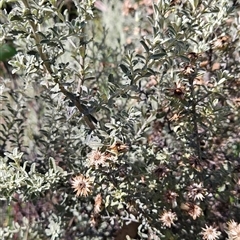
<point x="58" y="57"/>
<point x="176" y="32"/>
<point x="35" y="115"/>
<point x="19" y="183"/>
<point x="16" y="178"/>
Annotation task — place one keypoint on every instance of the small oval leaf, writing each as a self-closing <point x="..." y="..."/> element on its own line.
<point x="124" y="68"/>
<point x="7" y="51"/>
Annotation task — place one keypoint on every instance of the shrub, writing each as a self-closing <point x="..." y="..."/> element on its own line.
<point x="120" y="120"/>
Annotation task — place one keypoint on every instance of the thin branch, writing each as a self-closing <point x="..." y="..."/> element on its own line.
<point x="47" y="65"/>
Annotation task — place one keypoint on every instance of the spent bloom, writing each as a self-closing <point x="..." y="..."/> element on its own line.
<point x="168" y="218"/>
<point x="97" y="158"/>
<point x="193" y="56"/>
<point x="118" y="148"/>
<point x="188" y="69"/>
<point x="97" y="204"/>
<point x="171" y="198"/>
<point x="177" y="91"/>
<point x="81" y="185"/>
<point x="193" y="210"/>
<point x="196" y="191"/>
<point x="161" y="171"/>
<point x="210" y="233"/>
<point x="221" y="42"/>
<point x="233" y="230"/>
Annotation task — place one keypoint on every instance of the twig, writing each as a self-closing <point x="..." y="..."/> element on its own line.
<point x="71" y="96"/>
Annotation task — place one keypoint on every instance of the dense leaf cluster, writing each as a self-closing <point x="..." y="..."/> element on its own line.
<point x="139" y="100"/>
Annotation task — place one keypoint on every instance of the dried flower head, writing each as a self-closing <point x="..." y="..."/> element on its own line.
<point x="192" y="56"/>
<point x="221" y="42"/>
<point x="177" y="91"/>
<point x="97" y="158"/>
<point x="161" y="171"/>
<point x="175" y="117"/>
<point x="171" y="198"/>
<point x="188" y="70"/>
<point x="168" y="218"/>
<point x="81" y="185"/>
<point x="193" y="210"/>
<point x="231" y="225"/>
<point x="118" y="148"/>
<point x="196" y="191"/>
<point x="210" y="233"/>
<point x="233" y="230"/>
<point x="98" y="204"/>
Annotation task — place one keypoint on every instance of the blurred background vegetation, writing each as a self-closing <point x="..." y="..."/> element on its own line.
<point x="120" y="119"/>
